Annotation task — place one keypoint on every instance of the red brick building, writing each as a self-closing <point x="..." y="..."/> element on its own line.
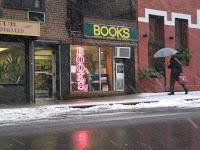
<point x="174" y="24"/>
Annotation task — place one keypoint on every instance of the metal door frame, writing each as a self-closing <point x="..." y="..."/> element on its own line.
<point x="116" y="64"/>
<point x="53" y="73"/>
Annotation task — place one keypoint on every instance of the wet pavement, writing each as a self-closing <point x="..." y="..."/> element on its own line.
<point x="165" y="134"/>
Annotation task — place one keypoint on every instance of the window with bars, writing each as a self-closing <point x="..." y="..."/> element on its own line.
<point x="156" y="42"/>
<point x="116" y="9"/>
<point x="25" y="4"/>
<point x="75" y="15"/>
<point x="181" y="34"/>
<point x="181" y="40"/>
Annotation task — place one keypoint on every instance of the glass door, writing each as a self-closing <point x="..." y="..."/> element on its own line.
<point x="44" y="74"/>
<point x="119" y="77"/>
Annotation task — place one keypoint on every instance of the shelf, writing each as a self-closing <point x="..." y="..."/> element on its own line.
<point x="43" y="72"/>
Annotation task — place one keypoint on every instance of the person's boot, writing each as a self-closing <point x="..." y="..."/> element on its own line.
<point x="186" y="91"/>
<point x="171" y="93"/>
<point x="185" y="88"/>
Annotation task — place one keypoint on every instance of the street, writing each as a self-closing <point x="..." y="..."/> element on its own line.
<point x="144" y="129"/>
<point x="99" y="75"/>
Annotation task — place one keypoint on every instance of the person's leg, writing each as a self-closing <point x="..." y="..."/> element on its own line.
<point x="185" y="88"/>
<point x="172" y="84"/>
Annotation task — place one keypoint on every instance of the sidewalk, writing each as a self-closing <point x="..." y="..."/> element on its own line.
<point x="125" y="99"/>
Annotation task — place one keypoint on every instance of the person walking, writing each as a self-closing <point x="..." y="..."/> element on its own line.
<point x="176" y="70"/>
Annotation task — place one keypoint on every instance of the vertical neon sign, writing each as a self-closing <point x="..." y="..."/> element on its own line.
<point x="80" y="69"/>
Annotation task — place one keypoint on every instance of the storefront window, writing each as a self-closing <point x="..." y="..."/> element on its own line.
<point x="91" y="68"/>
<point x="12" y="63"/>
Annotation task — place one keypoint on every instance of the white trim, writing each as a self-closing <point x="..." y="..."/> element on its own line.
<point x="174" y="15"/>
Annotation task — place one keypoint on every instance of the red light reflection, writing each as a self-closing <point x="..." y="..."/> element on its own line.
<point x="81" y="140"/>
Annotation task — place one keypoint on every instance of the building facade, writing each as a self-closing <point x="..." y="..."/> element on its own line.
<point x="102" y="44"/>
<point x="63" y="49"/>
<point x="169" y="24"/>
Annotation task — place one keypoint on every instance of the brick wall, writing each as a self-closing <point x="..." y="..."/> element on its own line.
<point x="56" y="15"/>
<point x="184" y="8"/>
<point x="188" y="7"/>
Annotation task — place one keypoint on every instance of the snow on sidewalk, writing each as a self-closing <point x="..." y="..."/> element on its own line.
<point x="142" y="101"/>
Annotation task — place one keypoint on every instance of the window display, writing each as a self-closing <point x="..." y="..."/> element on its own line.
<point x="12" y="63"/>
<point x="91" y="68"/>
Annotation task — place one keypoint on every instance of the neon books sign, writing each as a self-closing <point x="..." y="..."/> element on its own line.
<point x="110" y="32"/>
<point x="80" y="68"/>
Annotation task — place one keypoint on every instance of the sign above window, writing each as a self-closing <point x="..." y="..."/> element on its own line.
<point x="110" y="32"/>
<point x="18" y="27"/>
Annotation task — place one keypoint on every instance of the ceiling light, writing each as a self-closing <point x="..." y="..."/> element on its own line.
<point x="3" y="49"/>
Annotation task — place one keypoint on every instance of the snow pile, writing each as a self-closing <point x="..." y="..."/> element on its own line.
<point x="171" y="103"/>
<point x="22" y="114"/>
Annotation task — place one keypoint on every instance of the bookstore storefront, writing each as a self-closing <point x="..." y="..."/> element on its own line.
<point x="96" y="68"/>
<point x="100" y="68"/>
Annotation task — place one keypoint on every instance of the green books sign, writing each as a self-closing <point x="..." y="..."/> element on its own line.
<point x="110" y="32"/>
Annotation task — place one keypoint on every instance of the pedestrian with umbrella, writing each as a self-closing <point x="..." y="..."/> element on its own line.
<point x="175" y="66"/>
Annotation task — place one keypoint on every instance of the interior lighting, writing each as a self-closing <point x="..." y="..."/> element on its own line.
<point x="3" y="49"/>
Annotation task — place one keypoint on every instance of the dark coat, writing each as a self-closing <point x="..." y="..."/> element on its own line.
<point x="176" y="67"/>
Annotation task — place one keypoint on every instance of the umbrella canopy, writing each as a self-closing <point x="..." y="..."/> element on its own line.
<point x="164" y="52"/>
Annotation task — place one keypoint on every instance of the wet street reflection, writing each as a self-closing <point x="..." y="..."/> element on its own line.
<point x="177" y="135"/>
